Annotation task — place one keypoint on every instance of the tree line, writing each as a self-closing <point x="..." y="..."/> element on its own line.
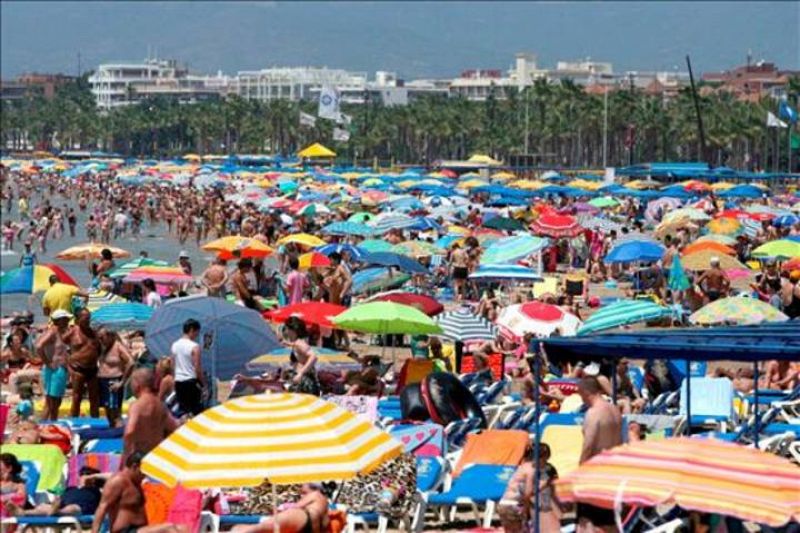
<point x="563" y="123"/>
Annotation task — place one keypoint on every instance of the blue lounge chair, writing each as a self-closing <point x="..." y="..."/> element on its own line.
<point x="478" y="485"/>
<point x="712" y="402"/>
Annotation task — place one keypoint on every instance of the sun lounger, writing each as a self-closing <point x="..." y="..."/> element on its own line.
<point x="50" y="523"/>
<point x="712" y="402"/>
<point x="104" y="446"/>
<point x="478" y="485"/>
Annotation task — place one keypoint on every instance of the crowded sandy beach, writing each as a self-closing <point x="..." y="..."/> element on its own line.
<point x="355" y="267"/>
<point x="193" y="332"/>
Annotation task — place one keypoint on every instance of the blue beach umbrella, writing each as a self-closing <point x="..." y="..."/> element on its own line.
<point x="402" y="262"/>
<point x="631" y="251"/>
<point x="230" y="335"/>
<point x="377" y="279"/>
<point x="348" y="228"/>
<point x="511" y="249"/>
<point x="356" y="253"/>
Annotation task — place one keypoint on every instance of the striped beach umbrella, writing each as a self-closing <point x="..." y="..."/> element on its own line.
<point x="123" y="270"/>
<point x="285" y="438"/>
<point x="372" y="246"/>
<point x="705" y="475"/>
<point x="509" y="272"/>
<point x="348" y="228"/>
<point x="461" y="325"/>
<point x="313" y="260"/>
<point x="623" y="313"/>
<point x="390" y="221"/>
<point x="33" y="279"/>
<point x="417" y="249"/>
<point x="124" y="315"/>
<point x="375" y="279"/>
<point x="99" y="298"/>
<point x="89" y="251"/>
<point x="511" y="249"/>
<point x="167" y="274"/>
<point x="356" y="253"/>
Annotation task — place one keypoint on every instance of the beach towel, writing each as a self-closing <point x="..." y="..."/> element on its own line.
<point x="4" y="408"/>
<point x="186" y="507"/>
<point x="495" y="365"/>
<point x="102" y="462"/>
<point x="493" y="447"/>
<point x="565" y="444"/>
<point x="366" y="407"/>
<point x="49" y="460"/>
<point x="420" y="439"/>
<point x="337" y="520"/>
<point x="711" y="397"/>
<point x="157" y="502"/>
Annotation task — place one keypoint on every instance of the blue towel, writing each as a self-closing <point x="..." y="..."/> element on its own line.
<point x="480" y="483"/>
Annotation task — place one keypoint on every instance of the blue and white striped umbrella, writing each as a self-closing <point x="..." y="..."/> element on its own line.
<point x="356" y="253"/>
<point x="499" y="272"/>
<point x="511" y="249"/>
<point x="348" y="228"/>
<point x="462" y="325"/>
<point x="786" y="221"/>
<point x="119" y="316"/>
<point x="425" y="224"/>
<point x="389" y="221"/>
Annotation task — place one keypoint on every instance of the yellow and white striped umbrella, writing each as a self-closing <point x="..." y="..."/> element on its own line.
<point x="285" y="438"/>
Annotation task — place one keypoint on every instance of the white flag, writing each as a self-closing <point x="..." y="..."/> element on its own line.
<point x="341" y="135"/>
<point x="343" y="119"/>
<point x="775" y="122"/>
<point x="328" y="103"/>
<point x="307" y="120"/>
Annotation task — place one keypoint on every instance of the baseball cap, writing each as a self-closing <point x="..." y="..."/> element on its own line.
<point x="58" y="314"/>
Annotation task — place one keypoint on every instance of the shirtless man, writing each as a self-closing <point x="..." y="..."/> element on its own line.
<point x="240" y="285"/>
<point x="308" y="515"/>
<point x="123" y="499"/>
<point x="602" y="429"/>
<point x="215" y="277"/>
<point x="459" y="261"/>
<point x="716" y="281"/>
<point x="84" y="354"/>
<point x="149" y="422"/>
<point x="781" y="375"/>
<point x="53" y="349"/>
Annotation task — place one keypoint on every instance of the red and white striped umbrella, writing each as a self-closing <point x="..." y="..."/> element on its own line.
<point x="553" y="225"/>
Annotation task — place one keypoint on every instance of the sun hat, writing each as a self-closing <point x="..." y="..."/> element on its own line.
<point x="592" y="370"/>
<point x="183" y="254"/>
<point x="58" y="314"/>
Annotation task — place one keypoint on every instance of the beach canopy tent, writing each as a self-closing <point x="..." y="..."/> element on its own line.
<point x="316" y="151"/>
<point x="736" y="343"/>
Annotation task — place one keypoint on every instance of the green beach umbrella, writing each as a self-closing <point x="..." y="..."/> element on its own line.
<point x="126" y="268"/>
<point x="737" y="310"/>
<point x="603" y="202"/>
<point x="362" y="217"/>
<point x="782" y="248"/>
<point x="383" y="318"/>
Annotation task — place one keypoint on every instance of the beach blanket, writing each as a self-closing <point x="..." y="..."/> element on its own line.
<point x="493" y="447"/>
<point x="48" y="459"/>
<point x="420" y="439"/>
<point x="366" y="407"/>
<point x="102" y="462"/>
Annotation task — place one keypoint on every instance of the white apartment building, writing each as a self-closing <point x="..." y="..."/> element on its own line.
<point x="121" y="84"/>
<point x="296" y="83"/>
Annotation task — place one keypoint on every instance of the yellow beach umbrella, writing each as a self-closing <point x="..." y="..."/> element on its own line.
<point x="285" y="438"/>
<point x="722" y="186"/>
<point x="458" y="230"/>
<point x="702" y="261"/>
<point x="90" y="251"/>
<point x="471" y="184"/>
<point x="724" y="226"/>
<point x="303" y="239"/>
<point x="238" y="246"/>
<point x="504" y="175"/>
<point x="316" y="150"/>
<point x="529" y="185"/>
<point x="483" y="159"/>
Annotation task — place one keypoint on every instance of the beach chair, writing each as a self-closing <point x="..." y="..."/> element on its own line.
<point x="53" y="523"/>
<point x="478" y="485"/>
<point x="104" y="446"/>
<point x="564" y="436"/>
<point x="712" y="403"/>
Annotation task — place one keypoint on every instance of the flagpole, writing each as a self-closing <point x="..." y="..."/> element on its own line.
<point x="789" y="147"/>
<point x="605" y="127"/>
<point x="777" y="149"/>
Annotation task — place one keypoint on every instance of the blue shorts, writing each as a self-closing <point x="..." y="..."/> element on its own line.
<point x="55" y="381"/>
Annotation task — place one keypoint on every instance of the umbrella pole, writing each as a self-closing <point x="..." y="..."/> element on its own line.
<point x="689" y="397"/>
<point x="276" y="527"/>
<point x="459" y="348"/>
<point x="614" y="381"/>
<point x="757" y="423"/>
<point x="537" y="433"/>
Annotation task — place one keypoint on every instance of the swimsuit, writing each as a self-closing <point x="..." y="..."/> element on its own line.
<point x="54" y="381"/>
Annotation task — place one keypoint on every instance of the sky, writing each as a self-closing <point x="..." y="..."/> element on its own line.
<point x="414" y="39"/>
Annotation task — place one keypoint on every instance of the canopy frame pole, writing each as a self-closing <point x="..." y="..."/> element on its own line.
<point x="615" y="364"/>
<point x="689" y="397"/>
<point x="276" y="527"/>
<point x="537" y="382"/>
<point x="757" y="421"/>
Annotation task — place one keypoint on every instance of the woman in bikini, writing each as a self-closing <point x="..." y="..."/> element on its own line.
<point x="308" y="515"/>
<point x="303" y="358"/>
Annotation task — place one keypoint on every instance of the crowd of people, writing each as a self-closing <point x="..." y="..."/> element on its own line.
<point x="65" y="356"/>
